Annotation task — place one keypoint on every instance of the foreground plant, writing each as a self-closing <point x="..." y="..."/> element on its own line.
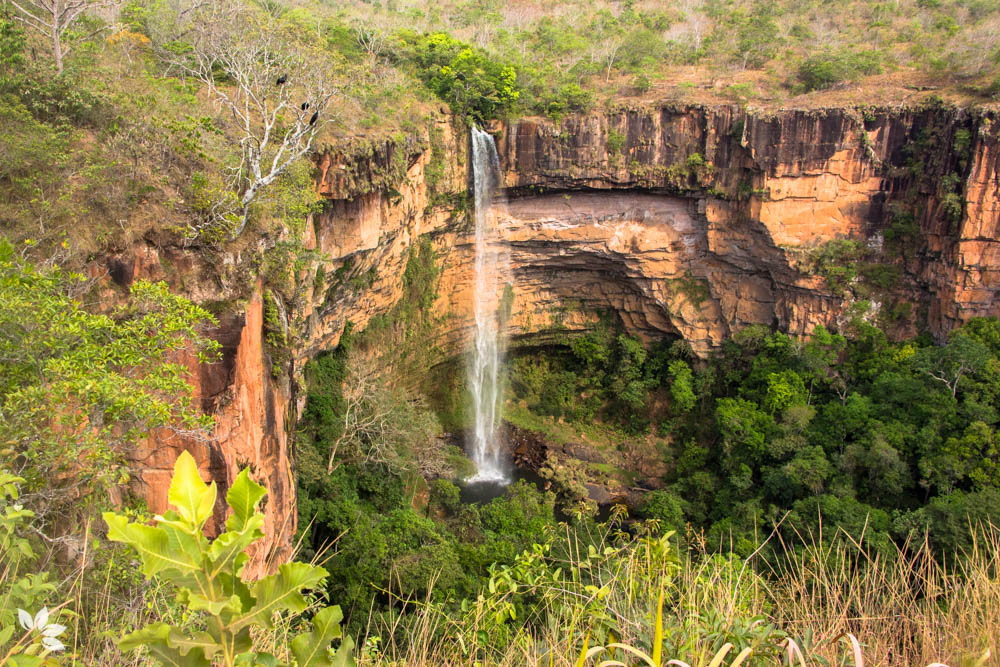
<point x="36" y="638"/>
<point x="209" y="577"/>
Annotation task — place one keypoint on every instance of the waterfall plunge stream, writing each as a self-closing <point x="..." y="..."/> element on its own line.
<point x="485" y="380"/>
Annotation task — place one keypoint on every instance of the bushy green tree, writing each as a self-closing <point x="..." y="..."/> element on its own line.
<point x="77" y="387"/>
<point x="825" y="70"/>
<point x="473" y="83"/>
<point x="681" y="386"/>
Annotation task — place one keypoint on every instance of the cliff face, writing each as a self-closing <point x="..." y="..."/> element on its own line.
<point x="765" y="193"/>
<point x="691" y="222"/>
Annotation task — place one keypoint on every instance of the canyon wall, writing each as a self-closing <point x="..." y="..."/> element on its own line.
<point x="684" y="221"/>
<point x="917" y="189"/>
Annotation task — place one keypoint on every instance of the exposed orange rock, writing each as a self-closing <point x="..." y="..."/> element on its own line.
<point x="250" y="430"/>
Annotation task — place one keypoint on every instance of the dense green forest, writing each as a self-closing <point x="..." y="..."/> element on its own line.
<point x="785" y="497"/>
<point x="893" y="443"/>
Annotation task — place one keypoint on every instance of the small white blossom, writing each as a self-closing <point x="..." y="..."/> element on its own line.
<point x="53" y="644"/>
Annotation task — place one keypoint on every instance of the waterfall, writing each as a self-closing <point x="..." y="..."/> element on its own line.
<point x="485" y="381"/>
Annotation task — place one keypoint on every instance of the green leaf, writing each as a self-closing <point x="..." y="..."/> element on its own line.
<point x="309" y="648"/>
<point x="6" y="634"/>
<point x="243" y="497"/>
<point x="242" y="642"/>
<point x="199" y="641"/>
<point x="258" y="660"/>
<point x="223" y="551"/>
<point x="193" y="498"/>
<point x="158" y="638"/>
<point x="151" y="543"/>
<point x="281" y="591"/>
<point x="180" y="541"/>
<point x="344" y="657"/>
<point x="199" y="602"/>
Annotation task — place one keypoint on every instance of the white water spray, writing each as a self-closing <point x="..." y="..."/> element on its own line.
<point x="484" y="366"/>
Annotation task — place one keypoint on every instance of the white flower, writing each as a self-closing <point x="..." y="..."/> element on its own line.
<point x="40" y="622"/>
<point x="52" y="644"/>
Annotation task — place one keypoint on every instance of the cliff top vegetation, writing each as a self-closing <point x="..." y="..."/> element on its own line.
<point x="126" y="113"/>
<point x="569" y="54"/>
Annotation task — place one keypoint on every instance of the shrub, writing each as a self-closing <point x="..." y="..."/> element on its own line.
<point x="665" y="507"/>
<point x="616" y="141"/>
<point x="222" y="604"/>
<point x="567" y="98"/>
<point x="826" y="70"/>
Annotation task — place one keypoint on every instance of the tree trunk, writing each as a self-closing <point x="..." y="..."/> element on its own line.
<point x="56" y="42"/>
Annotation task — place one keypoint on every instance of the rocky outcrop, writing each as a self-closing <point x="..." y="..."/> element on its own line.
<point x="683" y="221"/>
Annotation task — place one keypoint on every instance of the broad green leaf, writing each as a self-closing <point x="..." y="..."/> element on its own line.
<point x="180" y="540"/>
<point x="242" y="642"/>
<point x="257" y="660"/>
<point x="344" y="657"/>
<point x="193" y="498"/>
<point x="223" y="551"/>
<point x="199" y="593"/>
<point x="233" y="585"/>
<point x="201" y="642"/>
<point x="281" y="591"/>
<point x="309" y="648"/>
<point x="151" y="543"/>
<point x="236" y="593"/>
<point x="198" y="602"/>
<point x="157" y="638"/>
<point x="243" y="497"/>
<point x="6" y="634"/>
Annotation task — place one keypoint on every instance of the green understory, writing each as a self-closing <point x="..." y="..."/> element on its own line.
<point x="886" y="441"/>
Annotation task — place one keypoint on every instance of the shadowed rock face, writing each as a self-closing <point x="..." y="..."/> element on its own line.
<point x="684" y="221"/>
<point x="642" y="256"/>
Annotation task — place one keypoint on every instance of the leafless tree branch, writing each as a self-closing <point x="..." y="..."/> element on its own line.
<point x="53" y="18"/>
<point x="278" y="99"/>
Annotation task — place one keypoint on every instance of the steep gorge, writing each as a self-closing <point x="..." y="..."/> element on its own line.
<point x="690" y="221"/>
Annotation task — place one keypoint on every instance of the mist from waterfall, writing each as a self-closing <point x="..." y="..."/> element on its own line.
<point x="485" y="379"/>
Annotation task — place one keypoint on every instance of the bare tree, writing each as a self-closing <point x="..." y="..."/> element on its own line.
<point x="691" y="30"/>
<point x="380" y="422"/>
<point x="278" y="96"/>
<point x="370" y="39"/>
<point x="607" y="52"/>
<point x="53" y="18"/>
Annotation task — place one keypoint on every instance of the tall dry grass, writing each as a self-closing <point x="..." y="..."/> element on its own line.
<point x="908" y="608"/>
<point x="823" y="602"/>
